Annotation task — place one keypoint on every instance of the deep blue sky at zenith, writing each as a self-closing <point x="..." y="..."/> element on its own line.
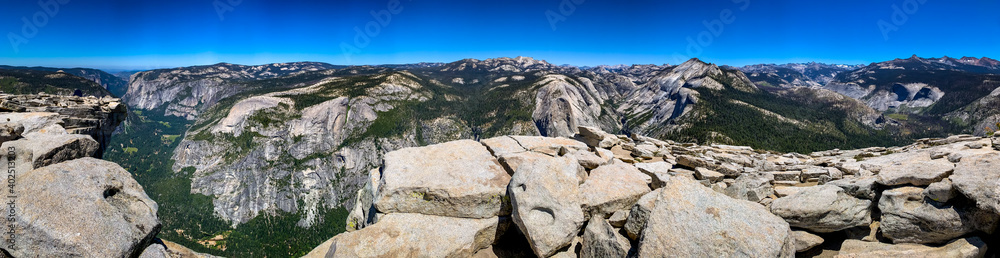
<point x="123" y="34"/>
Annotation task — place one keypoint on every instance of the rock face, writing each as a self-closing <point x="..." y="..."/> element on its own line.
<point x="567" y="201"/>
<point x="823" y="209"/>
<point x="545" y="196"/>
<point x="908" y="218"/>
<point x="690" y="219"/>
<point x="614" y="187"/>
<point x="96" y="117"/>
<point x="977" y="178"/>
<point x="102" y="211"/>
<point x="458" y="179"/>
<point x="602" y="240"/>
<point x="64" y="203"/>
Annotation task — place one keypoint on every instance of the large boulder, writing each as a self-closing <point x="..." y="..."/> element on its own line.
<point x="752" y="187"/>
<point x="595" y="137"/>
<point x="413" y="235"/>
<point x="916" y="173"/>
<point x="602" y="240"/>
<point x="860" y="187"/>
<point x="48" y="149"/>
<point x="691" y="220"/>
<point x="961" y="248"/>
<point x="457" y="179"/>
<point x="545" y="197"/>
<point x="82" y="207"/>
<point x="614" y="187"/>
<point x="824" y="208"/>
<point x="908" y="218"/>
<point x="977" y="177"/>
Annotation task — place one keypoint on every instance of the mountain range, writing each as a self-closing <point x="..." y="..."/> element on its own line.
<point x="226" y="149"/>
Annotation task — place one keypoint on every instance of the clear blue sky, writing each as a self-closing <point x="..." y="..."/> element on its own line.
<point x="147" y="34"/>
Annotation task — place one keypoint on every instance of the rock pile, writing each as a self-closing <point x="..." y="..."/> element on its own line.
<point x="61" y="202"/>
<point x="605" y="195"/>
<point x="97" y="117"/>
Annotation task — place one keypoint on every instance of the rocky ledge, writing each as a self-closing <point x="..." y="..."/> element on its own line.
<point x="97" y="117"/>
<point x="604" y="195"/>
<point x="62" y="202"/>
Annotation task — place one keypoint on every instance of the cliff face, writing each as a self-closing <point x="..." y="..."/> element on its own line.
<point x="92" y="116"/>
<point x="185" y="92"/>
<point x="605" y="195"/>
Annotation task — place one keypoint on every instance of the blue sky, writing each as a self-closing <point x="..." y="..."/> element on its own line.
<point x="137" y="34"/>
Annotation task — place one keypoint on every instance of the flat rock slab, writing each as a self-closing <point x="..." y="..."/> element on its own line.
<point x="413" y="235"/>
<point x="823" y="208"/>
<point x="977" y="177"/>
<point x="919" y="173"/>
<point x="457" y="179"/>
<point x="961" y="248"/>
<point x="82" y="207"/>
<point x="691" y="220"/>
<point x="805" y="241"/>
<point x="908" y="218"/>
<point x="614" y="187"/>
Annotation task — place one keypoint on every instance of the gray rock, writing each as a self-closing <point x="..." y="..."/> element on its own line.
<point x="611" y="188"/>
<point x="363" y="213"/>
<point x="907" y="218"/>
<point x="961" y="248"/>
<point x="860" y="187"/>
<point x="10" y="131"/>
<point x="824" y="208"/>
<point x="597" y="138"/>
<point x="976" y="177"/>
<point x="707" y="174"/>
<point x="458" y="179"/>
<point x="658" y="171"/>
<point x="589" y="160"/>
<point x="752" y="187"/>
<point x="416" y="235"/>
<point x="602" y="240"/>
<point x="618" y="218"/>
<point x="692" y="220"/>
<point x="645" y="151"/>
<point x="81" y="207"/>
<point x="54" y="148"/>
<point x="794" y="176"/>
<point x="638" y="216"/>
<point x="805" y="241"/>
<point x="547" y="209"/>
<point x="919" y="173"/>
<point x="941" y="191"/>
